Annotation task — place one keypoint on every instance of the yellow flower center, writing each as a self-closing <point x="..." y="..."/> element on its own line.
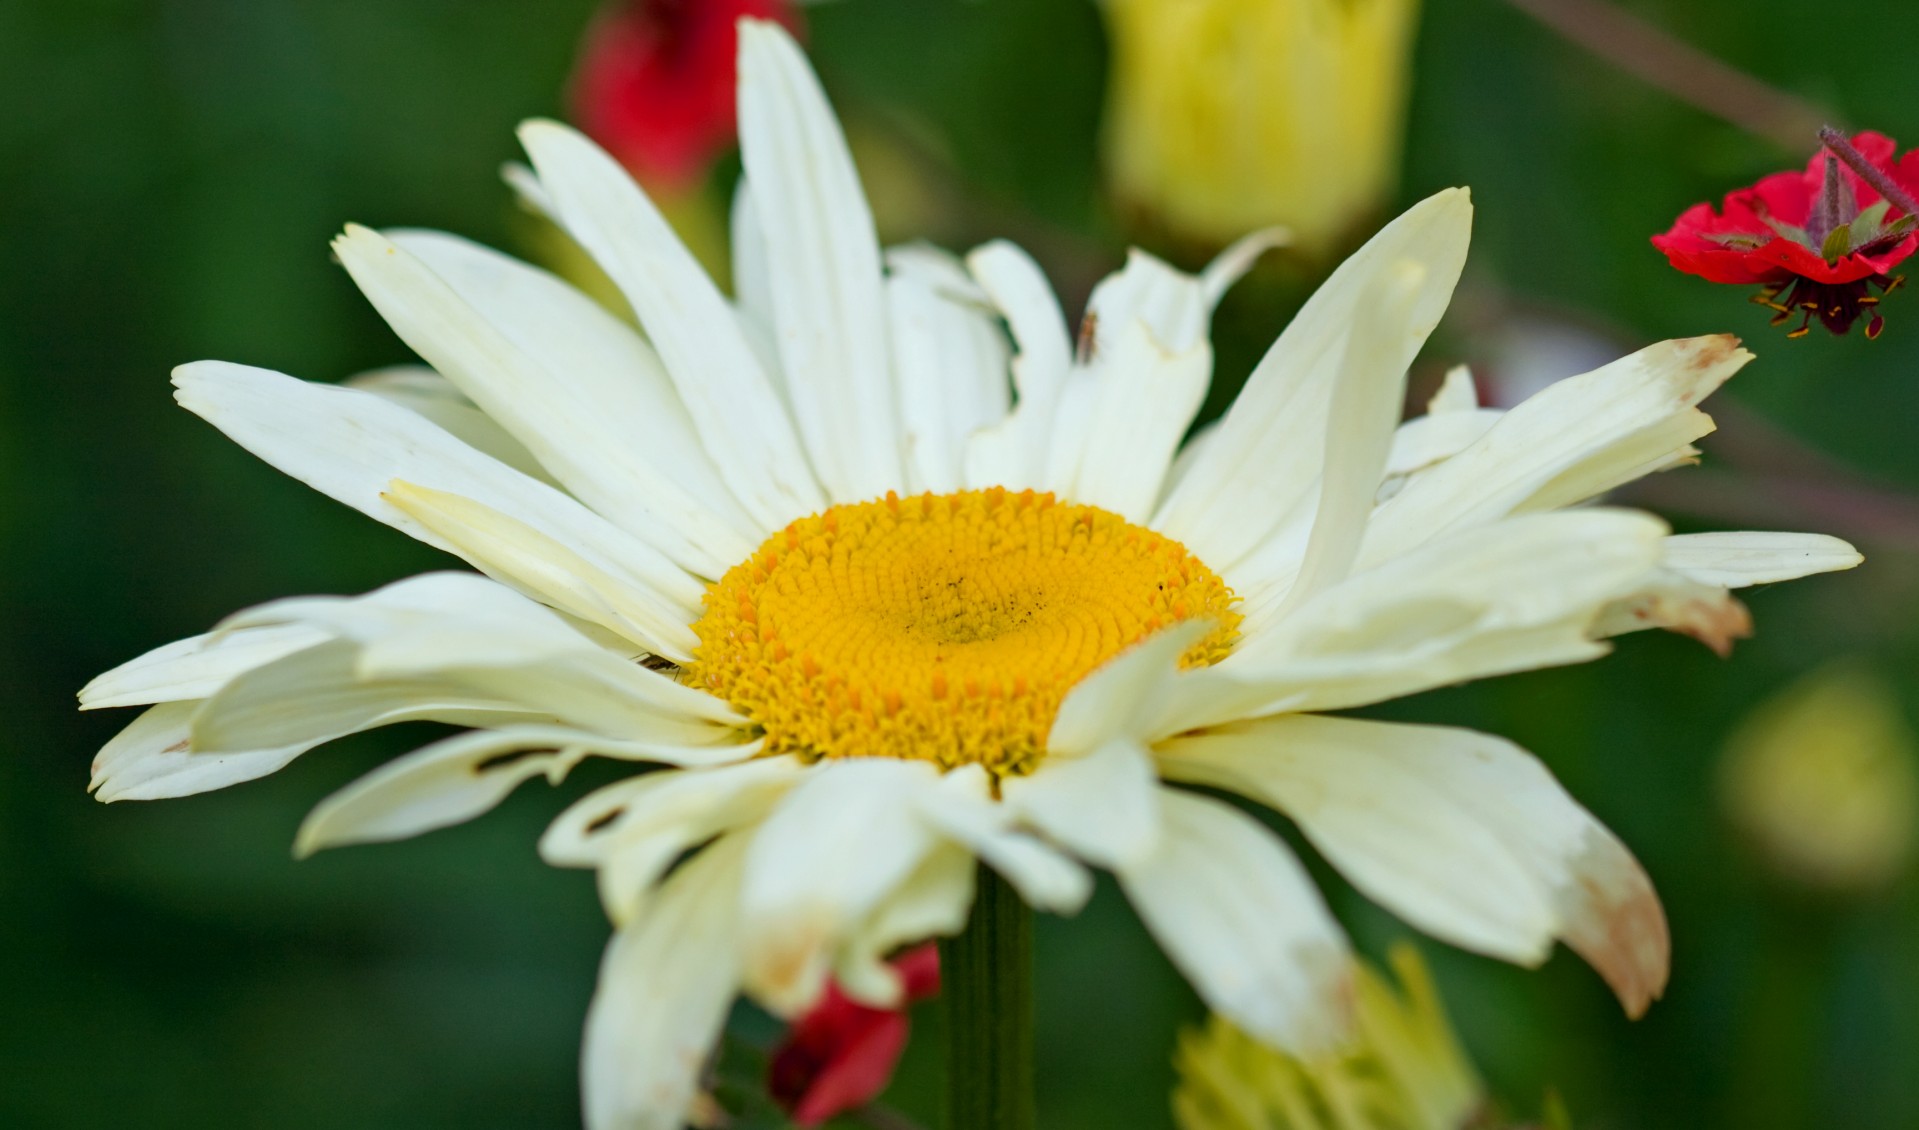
<point x="942" y="627"/>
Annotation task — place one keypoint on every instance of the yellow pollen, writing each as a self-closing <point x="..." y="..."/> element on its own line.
<point x="942" y="627"/>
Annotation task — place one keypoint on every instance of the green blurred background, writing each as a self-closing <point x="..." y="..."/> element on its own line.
<point x="172" y="172"/>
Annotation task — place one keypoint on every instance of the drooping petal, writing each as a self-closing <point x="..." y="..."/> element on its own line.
<point x="823" y="267"/>
<point x="825" y="859"/>
<point x="960" y="810"/>
<point x="154" y="759"/>
<point x="931" y="903"/>
<point x="1668" y="599"/>
<point x="1271" y="445"/>
<point x="1464" y="835"/>
<point x="1242" y="920"/>
<point x="734" y="404"/>
<point x="1103" y="807"/>
<point x="665" y="985"/>
<point x="456" y="779"/>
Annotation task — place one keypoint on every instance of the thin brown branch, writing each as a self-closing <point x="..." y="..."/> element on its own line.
<point x="1699" y="79"/>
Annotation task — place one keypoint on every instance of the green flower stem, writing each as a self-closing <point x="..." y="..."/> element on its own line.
<point x="986" y="982"/>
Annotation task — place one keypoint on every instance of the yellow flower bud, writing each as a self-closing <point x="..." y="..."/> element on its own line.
<point x="1404" y="1070"/>
<point x="1822" y="778"/>
<point x="1224" y="116"/>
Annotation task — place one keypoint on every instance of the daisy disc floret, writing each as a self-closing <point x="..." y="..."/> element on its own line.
<point x="942" y="627"/>
<point x="1818" y="242"/>
<point x="879" y="580"/>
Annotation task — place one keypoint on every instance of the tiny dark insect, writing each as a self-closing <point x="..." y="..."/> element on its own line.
<point x="1088" y="346"/>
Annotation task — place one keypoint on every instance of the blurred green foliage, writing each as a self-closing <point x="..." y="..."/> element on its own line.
<point x="172" y="171"/>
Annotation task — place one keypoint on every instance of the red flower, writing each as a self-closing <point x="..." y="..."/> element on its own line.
<point x="655" y="83"/>
<point x="841" y="1055"/>
<point x="1826" y="234"/>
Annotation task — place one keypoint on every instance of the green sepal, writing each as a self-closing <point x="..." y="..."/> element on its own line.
<point x="1838" y="243"/>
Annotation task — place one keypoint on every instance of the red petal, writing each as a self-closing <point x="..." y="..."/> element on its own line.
<point x="920" y="970"/>
<point x="1786" y="197"/>
<point x="853" y="1073"/>
<point x="841" y="1054"/>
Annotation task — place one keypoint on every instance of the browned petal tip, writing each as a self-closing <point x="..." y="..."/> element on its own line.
<point x="1619" y="927"/>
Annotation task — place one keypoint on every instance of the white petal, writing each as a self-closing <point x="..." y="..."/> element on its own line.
<point x="1523" y="593"/>
<point x="950" y="362"/>
<point x="1121" y="696"/>
<point x="579" y="388"/>
<point x="665" y="986"/>
<point x="458" y="627"/>
<point x="420" y="389"/>
<point x="1012" y="452"/>
<point x="836" y="846"/>
<point x="351" y="445"/>
<point x="1045" y="877"/>
<point x="1456" y="393"/>
<point x="521" y="555"/>
<point x="1361" y="420"/>
<point x="154" y="759"/>
<point x="634" y="830"/>
<point x="194" y="667"/>
<point x="1231" y="265"/>
<point x="1576" y="439"/>
<point x="316" y="695"/>
<point x="1142" y="376"/>
<point x="1736" y="560"/>
<point x="735" y="406"/>
<point x="456" y="779"/>
<point x="1103" y="807"/>
<point x="1241" y="919"/>
<point x="1464" y="835"/>
<point x="1428" y="440"/>
<point x="931" y="903"/>
<point x="1142" y="399"/>
<point x="1271" y="444"/>
<point x="1668" y="599"/>
<point x="752" y="284"/>
<point x="823" y="266"/>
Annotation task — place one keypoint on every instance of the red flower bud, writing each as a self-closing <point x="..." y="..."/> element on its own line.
<point x="841" y="1055"/>
<point x="655" y="83"/>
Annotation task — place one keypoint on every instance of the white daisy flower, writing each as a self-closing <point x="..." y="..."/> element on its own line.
<point x="890" y="590"/>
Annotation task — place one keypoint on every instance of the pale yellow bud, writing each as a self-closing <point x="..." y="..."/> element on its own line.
<point x="1225" y="116"/>
<point x="1403" y="1071"/>
<point x="1822" y="777"/>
